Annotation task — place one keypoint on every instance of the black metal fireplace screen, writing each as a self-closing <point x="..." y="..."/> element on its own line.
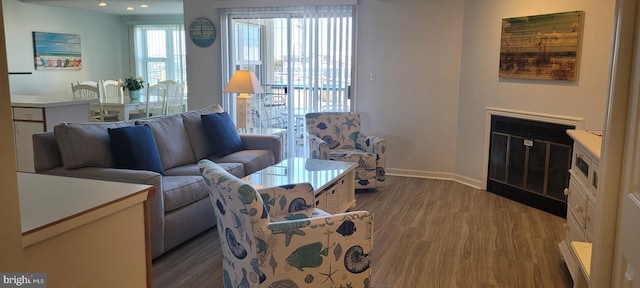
<point x="529" y="162"/>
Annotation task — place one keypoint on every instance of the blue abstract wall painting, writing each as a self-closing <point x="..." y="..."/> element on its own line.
<point x="57" y="51"/>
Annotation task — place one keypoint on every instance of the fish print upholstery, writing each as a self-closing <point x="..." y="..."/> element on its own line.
<point x="337" y="136"/>
<point x="275" y="237"/>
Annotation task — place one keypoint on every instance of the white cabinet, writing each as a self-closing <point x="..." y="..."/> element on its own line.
<point x="85" y="232"/>
<point x="24" y="144"/>
<point x="35" y="114"/>
<point x="581" y="203"/>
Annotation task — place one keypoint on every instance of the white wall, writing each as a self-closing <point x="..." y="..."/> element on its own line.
<point x="435" y="61"/>
<point x="204" y="72"/>
<point x="413" y="47"/>
<point x="480" y="86"/>
<point x="101" y="43"/>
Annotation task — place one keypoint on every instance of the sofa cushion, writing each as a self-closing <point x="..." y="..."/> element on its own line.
<point x="172" y="140"/>
<point x="193" y="126"/>
<point x="252" y="160"/>
<point x="85" y="144"/>
<point x="221" y="133"/>
<point x="236" y="169"/>
<point x="180" y="191"/>
<point x="134" y="147"/>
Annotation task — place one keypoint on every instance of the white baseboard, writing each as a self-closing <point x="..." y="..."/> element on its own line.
<point x="435" y="175"/>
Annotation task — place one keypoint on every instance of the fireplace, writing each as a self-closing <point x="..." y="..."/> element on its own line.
<point x="529" y="162"/>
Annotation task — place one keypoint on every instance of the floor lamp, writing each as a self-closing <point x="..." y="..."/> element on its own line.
<point x="244" y="82"/>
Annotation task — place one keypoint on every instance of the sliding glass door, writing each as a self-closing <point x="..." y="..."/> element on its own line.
<point x="302" y="57"/>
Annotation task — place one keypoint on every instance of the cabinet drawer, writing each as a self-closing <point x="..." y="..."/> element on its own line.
<point x="29" y="114"/>
<point x="337" y="195"/>
<point x="574" y="232"/>
<point x="581" y="166"/>
<point x="589" y="220"/>
<point x="332" y="198"/>
<point x="321" y="201"/>
<point x="577" y="201"/>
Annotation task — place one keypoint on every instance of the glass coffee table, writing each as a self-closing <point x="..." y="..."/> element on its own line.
<point x="332" y="181"/>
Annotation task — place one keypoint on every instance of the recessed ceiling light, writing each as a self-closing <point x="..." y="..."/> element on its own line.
<point x="129" y="8"/>
<point x="144" y="6"/>
<point x="102" y="4"/>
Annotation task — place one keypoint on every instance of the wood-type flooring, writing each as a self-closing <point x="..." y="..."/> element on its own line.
<point x="427" y="233"/>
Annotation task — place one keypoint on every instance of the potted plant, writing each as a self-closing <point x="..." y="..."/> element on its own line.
<point x="134" y="85"/>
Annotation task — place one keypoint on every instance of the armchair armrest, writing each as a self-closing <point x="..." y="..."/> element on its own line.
<point x="337" y="242"/>
<point x="318" y="149"/>
<point x="373" y="144"/>
<point x="262" y="142"/>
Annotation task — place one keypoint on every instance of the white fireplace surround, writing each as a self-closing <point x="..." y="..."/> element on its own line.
<point x="527" y="115"/>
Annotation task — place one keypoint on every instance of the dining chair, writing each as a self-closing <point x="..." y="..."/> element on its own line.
<point x="84" y="91"/>
<point x="88" y="82"/>
<point x="112" y="90"/>
<point x="155" y="101"/>
<point x="175" y="98"/>
<point x="169" y="84"/>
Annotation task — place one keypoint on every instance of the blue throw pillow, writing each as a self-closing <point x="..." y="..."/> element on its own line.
<point x="134" y="147"/>
<point x="221" y="133"/>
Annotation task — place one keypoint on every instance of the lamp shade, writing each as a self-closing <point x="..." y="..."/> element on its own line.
<point x="244" y="81"/>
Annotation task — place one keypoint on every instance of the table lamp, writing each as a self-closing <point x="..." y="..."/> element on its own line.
<point x="243" y="82"/>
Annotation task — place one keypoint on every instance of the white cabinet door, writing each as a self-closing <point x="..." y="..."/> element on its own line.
<point x="24" y="143"/>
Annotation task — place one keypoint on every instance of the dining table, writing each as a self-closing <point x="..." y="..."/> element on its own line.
<point x="124" y="105"/>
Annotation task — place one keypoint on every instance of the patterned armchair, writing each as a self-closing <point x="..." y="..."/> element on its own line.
<point x="274" y="237"/>
<point x="336" y="136"/>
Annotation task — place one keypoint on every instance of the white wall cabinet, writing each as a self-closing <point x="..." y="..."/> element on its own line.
<point x="35" y="114"/>
<point x="581" y="205"/>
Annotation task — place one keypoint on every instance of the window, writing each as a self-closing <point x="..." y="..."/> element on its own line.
<point x="302" y="56"/>
<point x="160" y="52"/>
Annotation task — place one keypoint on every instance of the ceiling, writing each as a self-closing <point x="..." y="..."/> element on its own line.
<point x="118" y="7"/>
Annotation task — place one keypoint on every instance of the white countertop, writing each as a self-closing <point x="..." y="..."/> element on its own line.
<point x="41" y="101"/>
<point x="589" y="140"/>
<point x="46" y="199"/>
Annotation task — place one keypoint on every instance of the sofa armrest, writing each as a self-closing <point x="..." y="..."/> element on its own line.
<point x="45" y="151"/>
<point x="318" y="149"/>
<point x="262" y="142"/>
<point x="156" y="203"/>
<point x="282" y="200"/>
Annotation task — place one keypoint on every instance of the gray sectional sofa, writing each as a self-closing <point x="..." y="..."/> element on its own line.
<point x="181" y="208"/>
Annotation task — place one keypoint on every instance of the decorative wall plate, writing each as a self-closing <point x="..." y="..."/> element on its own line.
<point x="202" y="32"/>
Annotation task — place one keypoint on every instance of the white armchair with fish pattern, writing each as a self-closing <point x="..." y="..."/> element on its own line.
<point x="275" y="237"/>
<point x="337" y="136"/>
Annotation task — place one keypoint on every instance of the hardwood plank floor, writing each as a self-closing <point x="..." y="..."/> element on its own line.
<point x="427" y="233"/>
